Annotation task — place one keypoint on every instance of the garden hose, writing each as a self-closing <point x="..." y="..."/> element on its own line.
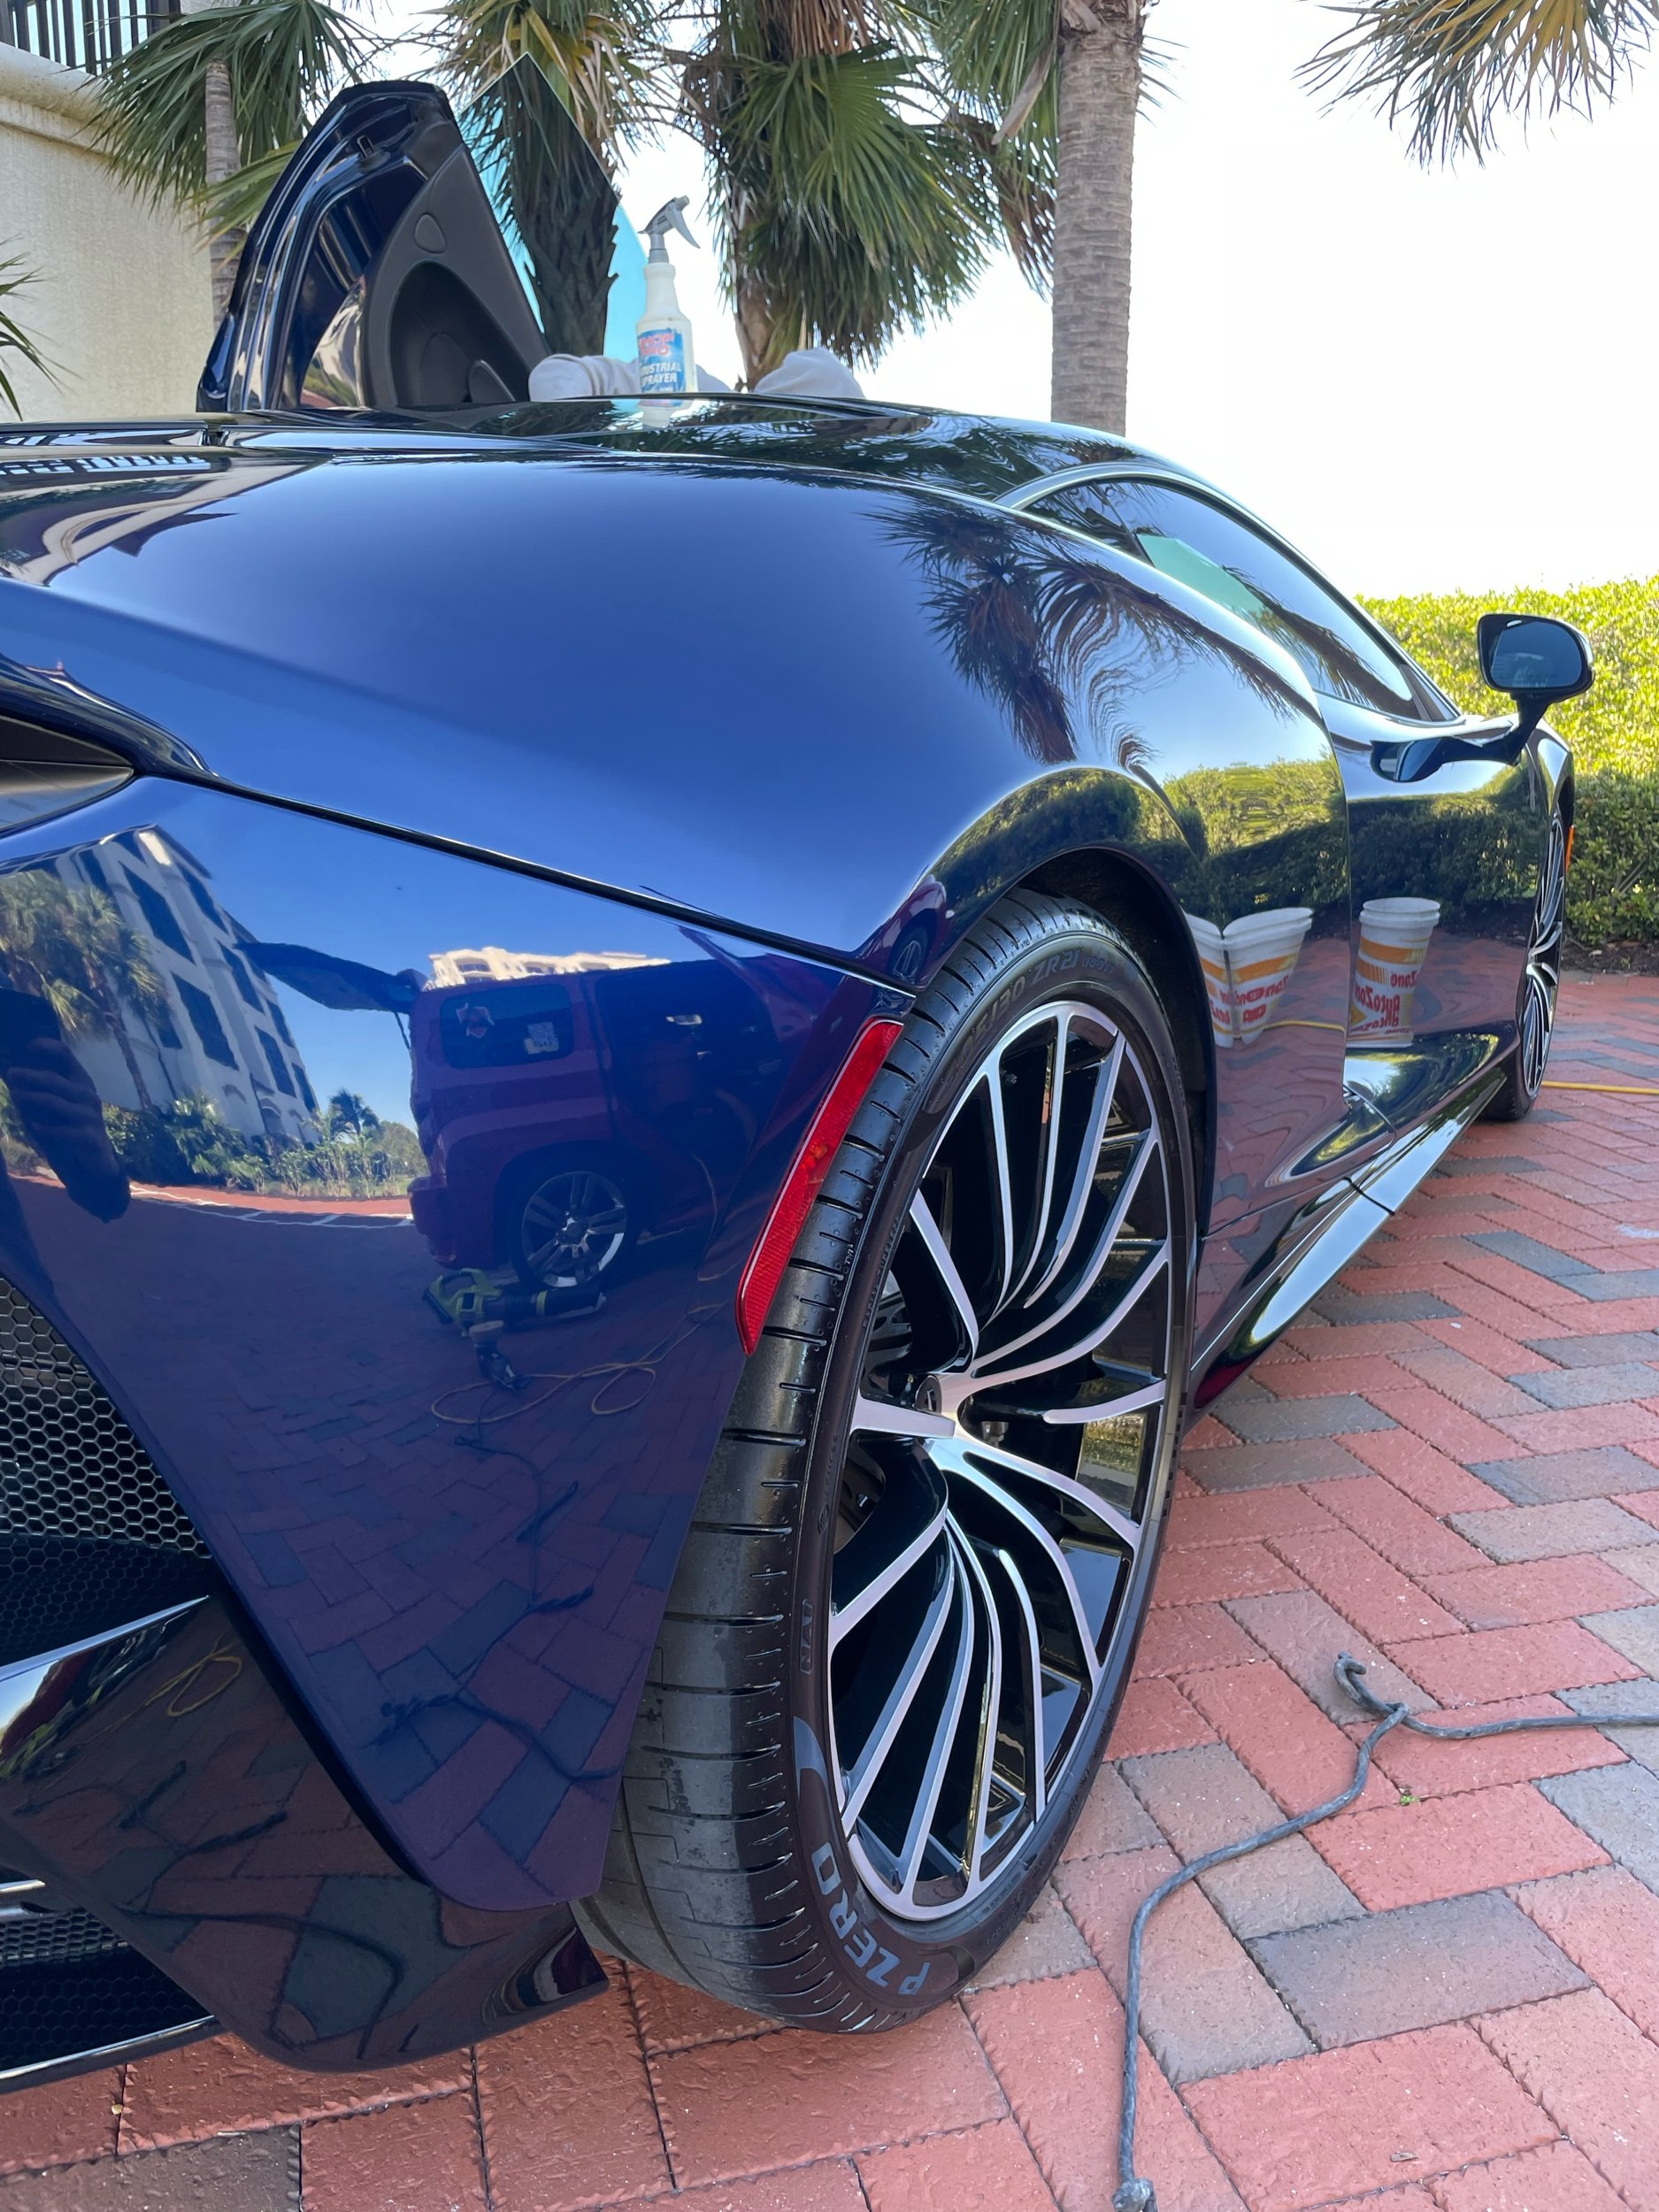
<point x="1134" y="2193"/>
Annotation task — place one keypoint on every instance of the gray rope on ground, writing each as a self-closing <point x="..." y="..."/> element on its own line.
<point x="1134" y="2193"/>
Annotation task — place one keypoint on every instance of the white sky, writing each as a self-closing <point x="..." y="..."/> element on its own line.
<point x="1339" y="337"/>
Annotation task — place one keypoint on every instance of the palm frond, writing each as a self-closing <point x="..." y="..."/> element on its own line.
<point x="609" y="58"/>
<point x="16" y="276"/>
<point x="850" y="216"/>
<point x="284" y="57"/>
<point x="1451" y="69"/>
<point x="234" y="204"/>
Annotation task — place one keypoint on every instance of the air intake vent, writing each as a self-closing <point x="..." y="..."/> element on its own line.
<point x="90" y="1535"/>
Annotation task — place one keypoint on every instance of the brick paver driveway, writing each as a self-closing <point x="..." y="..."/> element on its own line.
<point x="1446" y="2000"/>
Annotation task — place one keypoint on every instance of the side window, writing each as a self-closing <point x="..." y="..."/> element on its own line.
<point x="1215" y="554"/>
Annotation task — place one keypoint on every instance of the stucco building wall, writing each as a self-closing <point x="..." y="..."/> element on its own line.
<point x="122" y="304"/>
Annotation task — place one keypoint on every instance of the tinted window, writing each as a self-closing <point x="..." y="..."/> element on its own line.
<point x="250" y="995"/>
<point x="159" y="915"/>
<point x="279" y="1066"/>
<point x="205" y="1022"/>
<point x="1215" y="553"/>
<point x="506" y="1025"/>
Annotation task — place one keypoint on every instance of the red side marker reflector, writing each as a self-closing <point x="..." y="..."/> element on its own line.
<point x="805" y="1178"/>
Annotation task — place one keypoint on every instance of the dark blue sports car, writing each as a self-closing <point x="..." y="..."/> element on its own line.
<point x="648" y="1065"/>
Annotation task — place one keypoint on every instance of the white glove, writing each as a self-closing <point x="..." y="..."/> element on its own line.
<point x="810" y="373"/>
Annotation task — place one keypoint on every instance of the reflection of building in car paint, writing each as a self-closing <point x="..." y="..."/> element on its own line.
<point x="501" y="966"/>
<point x="221" y="1035"/>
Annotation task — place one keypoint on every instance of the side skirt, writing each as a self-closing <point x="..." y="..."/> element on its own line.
<point x="1321" y="1240"/>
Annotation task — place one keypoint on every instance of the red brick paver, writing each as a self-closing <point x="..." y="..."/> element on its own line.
<point x="1446" y="2000"/>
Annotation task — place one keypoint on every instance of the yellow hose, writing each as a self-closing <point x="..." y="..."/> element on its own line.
<point x="1623" y="1090"/>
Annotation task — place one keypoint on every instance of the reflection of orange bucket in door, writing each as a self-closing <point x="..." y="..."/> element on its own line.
<point x="1394" y="941"/>
<point x="1212" y="958"/>
<point x="1261" y="952"/>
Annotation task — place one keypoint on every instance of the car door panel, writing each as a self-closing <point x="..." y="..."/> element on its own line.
<point x="1465" y="838"/>
<point x="412" y="259"/>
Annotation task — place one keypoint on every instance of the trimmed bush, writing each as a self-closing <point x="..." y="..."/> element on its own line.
<point x="1614" y="733"/>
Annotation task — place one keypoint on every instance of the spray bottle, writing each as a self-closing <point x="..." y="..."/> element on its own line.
<point x="668" y="368"/>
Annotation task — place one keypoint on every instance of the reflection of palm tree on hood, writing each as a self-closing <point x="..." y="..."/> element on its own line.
<point x="1043" y="628"/>
<point x="73" y="946"/>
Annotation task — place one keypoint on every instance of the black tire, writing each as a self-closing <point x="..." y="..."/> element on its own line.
<point x="730" y="1867"/>
<point x="1524" y="1070"/>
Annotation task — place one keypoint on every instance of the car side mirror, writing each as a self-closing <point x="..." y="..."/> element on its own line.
<point x="1536" y="659"/>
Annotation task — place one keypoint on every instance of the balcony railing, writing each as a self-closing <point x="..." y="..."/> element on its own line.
<point x="80" y="33"/>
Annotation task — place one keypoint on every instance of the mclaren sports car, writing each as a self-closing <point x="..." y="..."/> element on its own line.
<point x="651" y="1054"/>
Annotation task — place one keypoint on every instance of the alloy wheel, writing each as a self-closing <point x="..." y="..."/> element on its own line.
<point x="1541" y="981"/>
<point x="1005" y="1462"/>
<point x="574" y="1226"/>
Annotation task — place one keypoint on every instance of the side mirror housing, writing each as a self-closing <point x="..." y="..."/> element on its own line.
<point x="1536" y="659"/>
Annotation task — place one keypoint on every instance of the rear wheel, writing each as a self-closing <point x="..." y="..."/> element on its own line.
<point x="907" y="1608"/>
<point x="1540" y="984"/>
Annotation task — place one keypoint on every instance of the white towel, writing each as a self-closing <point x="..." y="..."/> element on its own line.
<point x="810" y="373"/>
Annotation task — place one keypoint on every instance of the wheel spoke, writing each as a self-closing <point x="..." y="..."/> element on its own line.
<point x="985" y="1765"/>
<point x="1037" y="1538"/>
<point x="1004" y="1176"/>
<point x="868" y="1764"/>
<point x="938" y="1252"/>
<point x="910" y="1519"/>
<point x="1127" y="1531"/>
<point x="1092" y="1339"/>
<point x="1031" y="1662"/>
<point x="943" y="1740"/>
<point x="1145" y="1151"/>
<point x="874" y="1416"/>
<point x="1083" y="1178"/>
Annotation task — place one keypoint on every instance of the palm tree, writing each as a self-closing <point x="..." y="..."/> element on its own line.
<point x="14" y="276"/>
<point x="846" y="210"/>
<point x="72" y="949"/>
<point x="208" y="108"/>
<point x="1451" y="68"/>
<point x="349" y="1111"/>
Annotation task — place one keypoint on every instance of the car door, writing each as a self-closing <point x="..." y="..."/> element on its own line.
<point x="1443" y="851"/>
<point x="412" y="259"/>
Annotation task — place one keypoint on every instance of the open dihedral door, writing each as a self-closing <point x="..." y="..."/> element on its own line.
<point x="409" y="260"/>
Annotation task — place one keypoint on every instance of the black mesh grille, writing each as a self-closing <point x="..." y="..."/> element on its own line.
<point x="56" y="2011"/>
<point x="53" y="1938"/>
<point x="90" y="1535"/>
<point x="69" y="1465"/>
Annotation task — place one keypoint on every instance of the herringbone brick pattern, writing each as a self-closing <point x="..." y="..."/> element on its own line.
<point x="1445" y="2000"/>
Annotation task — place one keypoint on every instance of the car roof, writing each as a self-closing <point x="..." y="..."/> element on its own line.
<point x="982" y="456"/>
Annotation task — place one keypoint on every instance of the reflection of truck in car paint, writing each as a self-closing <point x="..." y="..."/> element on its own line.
<point x="567" y="1116"/>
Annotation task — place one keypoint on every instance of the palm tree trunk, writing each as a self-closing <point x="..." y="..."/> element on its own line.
<point x="1099" y="91"/>
<point x="224" y="158"/>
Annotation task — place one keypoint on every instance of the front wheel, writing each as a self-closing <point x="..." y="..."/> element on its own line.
<point x="1541" y="982"/>
<point x="908" y="1605"/>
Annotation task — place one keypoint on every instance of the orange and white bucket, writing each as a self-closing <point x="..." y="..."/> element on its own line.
<point x="1393" y="941"/>
<point x="1247" y="966"/>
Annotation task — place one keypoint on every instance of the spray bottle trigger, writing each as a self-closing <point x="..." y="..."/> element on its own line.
<point x="670" y="216"/>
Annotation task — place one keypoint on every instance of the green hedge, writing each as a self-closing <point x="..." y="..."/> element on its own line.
<point x="1614" y="731"/>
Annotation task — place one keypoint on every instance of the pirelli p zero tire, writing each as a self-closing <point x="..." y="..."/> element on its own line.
<point x="911" y="1593"/>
